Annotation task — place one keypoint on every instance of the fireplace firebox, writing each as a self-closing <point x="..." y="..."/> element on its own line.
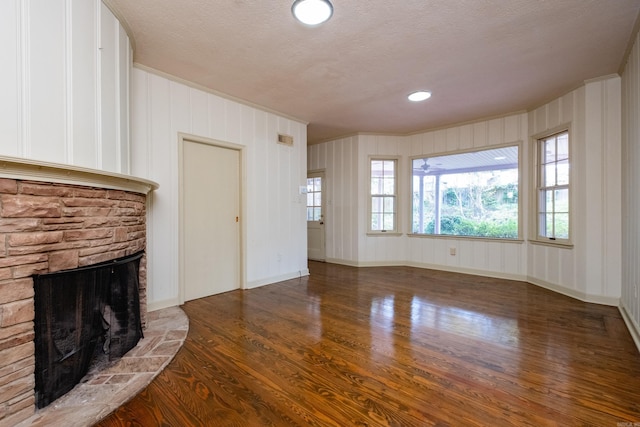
<point x="80" y="314"/>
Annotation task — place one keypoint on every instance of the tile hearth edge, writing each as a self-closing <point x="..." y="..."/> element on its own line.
<point x="100" y="393"/>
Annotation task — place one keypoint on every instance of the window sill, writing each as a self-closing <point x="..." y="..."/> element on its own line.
<point x="383" y="233"/>
<point x="552" y="243"/>
<point x="450" y="237"/>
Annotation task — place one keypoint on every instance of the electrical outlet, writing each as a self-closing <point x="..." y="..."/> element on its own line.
<point x="452" y="251"/>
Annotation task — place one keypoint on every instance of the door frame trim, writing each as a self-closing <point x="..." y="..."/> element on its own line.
<point x="185" y="137"/>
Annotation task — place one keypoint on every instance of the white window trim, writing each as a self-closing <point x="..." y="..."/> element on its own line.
<point x="535" y="237"/>
<point x="396" y="231"/>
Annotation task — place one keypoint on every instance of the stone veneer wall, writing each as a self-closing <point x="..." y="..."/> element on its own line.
<point x="45" y="228"/>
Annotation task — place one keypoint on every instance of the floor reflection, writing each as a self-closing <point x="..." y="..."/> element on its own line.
<point x="454" y="320"/>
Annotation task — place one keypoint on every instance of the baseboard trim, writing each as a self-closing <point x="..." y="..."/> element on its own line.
<point x="632" y="326"/>
<point x="453" y="269"/>
<point x="483" y="273"/>
<point x="366" y="263"/>
<point x="582" y="296"/>
<point x="275" y="279"/>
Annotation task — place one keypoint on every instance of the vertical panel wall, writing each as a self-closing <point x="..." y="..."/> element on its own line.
<point x="591" y="269"/>
<point x="276" y="234"/>
<point x="339" y="161"/>
<point x="552" y="266"/>
<point x="64" y="83"/>
<point x="376" y="249"/>
<point x="630" y="300"/>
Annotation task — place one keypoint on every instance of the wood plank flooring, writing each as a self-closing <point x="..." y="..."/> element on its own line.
<point x="395" y="346"/>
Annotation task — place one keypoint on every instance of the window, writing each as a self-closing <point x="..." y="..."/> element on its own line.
<point x="314" y="198"/>
<point x="383" y="192"/>
<point x="553" y="187"/>
<point x="467" y="194"/>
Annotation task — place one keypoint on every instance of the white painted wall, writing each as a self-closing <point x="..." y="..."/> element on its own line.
<point x="276" y="239"/>
<point x="590" y="270"/>
<point x="630" y="301"/>
<point x="339" y="160"/>
<point x="64" y="83"/>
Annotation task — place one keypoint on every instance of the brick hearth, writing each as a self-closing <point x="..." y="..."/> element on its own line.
<point x="47" y="227"/>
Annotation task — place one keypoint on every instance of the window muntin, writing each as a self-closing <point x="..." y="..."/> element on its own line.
<point x="314" y="199"/>
<point x="383" y="192"/>
<point x="471" y="194"/>
<point x="553" y="187"/>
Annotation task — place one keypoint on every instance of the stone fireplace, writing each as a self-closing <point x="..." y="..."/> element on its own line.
<point x="54" y="218"/>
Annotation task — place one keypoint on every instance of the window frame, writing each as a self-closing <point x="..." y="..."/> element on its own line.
<point x="396" y="220"/>
<point x="536" y="211"/>
<point x="521" y="215"/>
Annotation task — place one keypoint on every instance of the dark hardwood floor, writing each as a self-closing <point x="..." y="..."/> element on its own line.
<point x="395" y="346"/>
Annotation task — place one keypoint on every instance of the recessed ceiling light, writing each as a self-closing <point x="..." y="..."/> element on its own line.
<point x="499" y="158"/>
<point x="312" y="12"/>
<point x="419" y="96"/>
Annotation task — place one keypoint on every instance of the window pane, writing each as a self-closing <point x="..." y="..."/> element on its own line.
<point x="542" y="224"/>
<point x="549" y="175"/>
<point x="388" y="204"/>
<point x="389" y="169"/>
<point x="542" y="201"/>
<point x="309" y="185"/>
<point x="317" y="184"/>
<point x="561" y="225"/>
<point x="563" y="172"/>
<point x="549" y="203"/>
<point x="376" y="186"/>
<point x="317" y="214"/>
<point x="563" y="147"/>
<point x="309" y="214"/>
<point x="309" y="199"/>
<point x="376" y="222"/>
<point x="388" y="221"/>
<point x="562" y="200"/>
<point x="376" y="205"/>
<point x="549" y="225"/>
<point x="389" y="186"/>
<point x="317" y="199"/>
<point x="550" y="150"/>
<point x="481" y="201"/>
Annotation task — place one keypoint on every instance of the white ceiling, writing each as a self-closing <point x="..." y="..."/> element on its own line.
<point x="480" y="58"/>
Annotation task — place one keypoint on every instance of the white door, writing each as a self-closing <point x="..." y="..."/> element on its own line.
<point x="211" y="210"/>
<point x="315" y="216"/>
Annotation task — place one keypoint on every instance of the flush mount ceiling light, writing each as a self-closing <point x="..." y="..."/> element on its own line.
<point x="312" y="12"/>
<point x="419" y="96"/>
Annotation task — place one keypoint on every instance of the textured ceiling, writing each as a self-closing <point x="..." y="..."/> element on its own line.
<point x="480" y="58"/>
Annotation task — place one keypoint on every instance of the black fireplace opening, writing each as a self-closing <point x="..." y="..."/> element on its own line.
<point x="80" y="313"/>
